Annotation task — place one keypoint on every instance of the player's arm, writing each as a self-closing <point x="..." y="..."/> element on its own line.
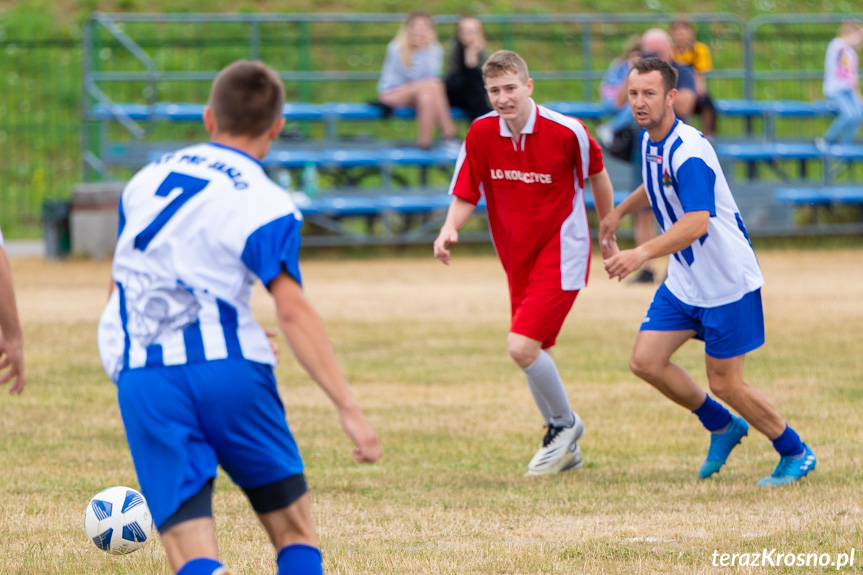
<point x="681" y="235"/>
<point x="11" y="335"/>
<point x="609" y="223"/>
<point x="603" y="200"/>
<point x="460" y="211"/>
<point x="308" y="339"/>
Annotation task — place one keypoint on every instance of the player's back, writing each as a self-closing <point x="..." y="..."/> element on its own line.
<point x="196" y="228"/>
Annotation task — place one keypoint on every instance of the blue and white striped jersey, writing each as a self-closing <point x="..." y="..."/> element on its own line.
<point x="682" y="174"/>
<point x="196" y="228"/>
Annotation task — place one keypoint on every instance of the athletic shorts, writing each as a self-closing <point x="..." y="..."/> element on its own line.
<point x="183" y="421"/>
<point x="727" y="330"/>
<point x="539" y="313"/>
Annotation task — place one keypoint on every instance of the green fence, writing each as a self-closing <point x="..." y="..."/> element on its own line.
<point x="158" y="58"/>
<point x="40" y="127"/>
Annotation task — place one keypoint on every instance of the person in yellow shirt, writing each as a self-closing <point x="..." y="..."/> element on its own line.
<point x="686" y="50"/>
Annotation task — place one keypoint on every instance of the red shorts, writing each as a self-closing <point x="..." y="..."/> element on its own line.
<point x="539" y="313"/>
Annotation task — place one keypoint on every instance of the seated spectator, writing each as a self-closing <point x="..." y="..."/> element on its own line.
<point x="687" y="51"/>
<point x="612" y="91"/>
<point x="841" y="84"/>
<point x="411" y="77"/>
<point x="464" y="85"/>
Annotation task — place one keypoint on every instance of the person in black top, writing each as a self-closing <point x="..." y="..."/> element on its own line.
<point x="464" y="84"/>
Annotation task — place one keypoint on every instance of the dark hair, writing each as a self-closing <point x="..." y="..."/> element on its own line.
<point x="246" y="98"/>
<point x="653" y="64"/>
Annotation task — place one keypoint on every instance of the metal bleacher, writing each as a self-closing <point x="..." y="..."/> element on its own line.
<point x="373" y="188"/>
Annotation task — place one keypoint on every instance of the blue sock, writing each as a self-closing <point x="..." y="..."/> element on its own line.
<point x="713" y="415"/>
<point x="300" y="559"/>
<point x="200" y="566"/>
<point x="788" y="444"/>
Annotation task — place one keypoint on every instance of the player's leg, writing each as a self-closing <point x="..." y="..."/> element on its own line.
<point x="537" y="319"/>
<point x="543" y="378"/>
<point x="174" y="463"/>
<point x="731" y="331"/>
<point x="246" y="426"/>
<point x="726" y="381"/>
<point x="651" y="361"/>
<point x="668" y="324"/>
<point x="293" y="536"/>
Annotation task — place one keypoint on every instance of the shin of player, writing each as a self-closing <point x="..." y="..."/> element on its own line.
<point x="194" y="370"/>
<point x="713" y="289"/>
<point x="531" y="165"/>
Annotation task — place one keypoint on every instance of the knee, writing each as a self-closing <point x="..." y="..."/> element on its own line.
<point x="720" y="385"/>
<point x="645" y="366"/>
<point x="522" y="352"/>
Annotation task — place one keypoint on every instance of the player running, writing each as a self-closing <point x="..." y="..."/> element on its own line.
<point x="194" y="371"/>
<point x="531" y="165"/>
<point x="713" y="290"/>
<point x="11" y="336"/>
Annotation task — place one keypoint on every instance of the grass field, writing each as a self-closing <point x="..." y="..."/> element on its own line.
<point x="424" y="347"/>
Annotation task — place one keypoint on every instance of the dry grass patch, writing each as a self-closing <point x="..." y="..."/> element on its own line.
<point x="424" y="346"/>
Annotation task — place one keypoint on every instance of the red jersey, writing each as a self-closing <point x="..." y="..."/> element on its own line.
<point x="534" y="193"/>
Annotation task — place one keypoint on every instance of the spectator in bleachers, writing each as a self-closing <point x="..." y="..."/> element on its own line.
<point x="464" y="86"/>
<point x="411" y="77"/>
<point x="687" y="51"/>
<point x="841" y="84"/>
<point x="612" y="91"/>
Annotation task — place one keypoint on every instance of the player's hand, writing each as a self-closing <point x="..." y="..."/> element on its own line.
<point x="607" y="228"/>
<point x="608" y="248"/>
<point x="624" y="263"/>
<point x="361" y="433"/>
<point x="446" y="237"/>
<point x="12" y="365"/>
<point x="274" y="344"/>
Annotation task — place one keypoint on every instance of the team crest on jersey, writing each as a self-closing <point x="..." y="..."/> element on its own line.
<point x="155" y="310"/>
<point x="654" y="158"/>
<point x="666" y="178"/>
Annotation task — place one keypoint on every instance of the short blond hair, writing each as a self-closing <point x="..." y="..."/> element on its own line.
<point x="502" y="62"/>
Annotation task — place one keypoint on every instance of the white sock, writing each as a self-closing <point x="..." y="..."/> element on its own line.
<point x="545" y="378"/>
<point x="544" y="409"/>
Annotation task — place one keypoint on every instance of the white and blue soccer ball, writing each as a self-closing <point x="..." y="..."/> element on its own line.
<point x="118" y="520"/>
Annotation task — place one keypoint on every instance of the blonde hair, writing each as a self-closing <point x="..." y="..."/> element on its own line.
<point x="502" y="62"/>
<point x="402" y="36"/>
<point x="849" y="27"/>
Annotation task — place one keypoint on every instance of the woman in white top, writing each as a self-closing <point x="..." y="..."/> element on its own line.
<point x="411" y="78"/>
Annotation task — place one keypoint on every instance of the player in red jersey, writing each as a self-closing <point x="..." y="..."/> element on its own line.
<point x="531" y="165"/>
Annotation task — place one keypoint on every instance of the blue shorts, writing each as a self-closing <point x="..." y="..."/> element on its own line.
<point x="183" y="421"/>
<point x="727" y="330"/>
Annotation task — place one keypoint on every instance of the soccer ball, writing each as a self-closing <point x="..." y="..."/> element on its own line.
<point x="118" y="520"/>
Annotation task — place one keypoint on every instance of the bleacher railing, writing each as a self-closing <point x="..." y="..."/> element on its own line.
<point x="45" y="117"/>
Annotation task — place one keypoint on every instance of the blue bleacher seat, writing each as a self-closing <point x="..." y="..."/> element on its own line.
<point x="819" y="196"/>
<point x="582" y="110"/>
<point x="292" y="158"/>
<point x="765" y="151"/>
